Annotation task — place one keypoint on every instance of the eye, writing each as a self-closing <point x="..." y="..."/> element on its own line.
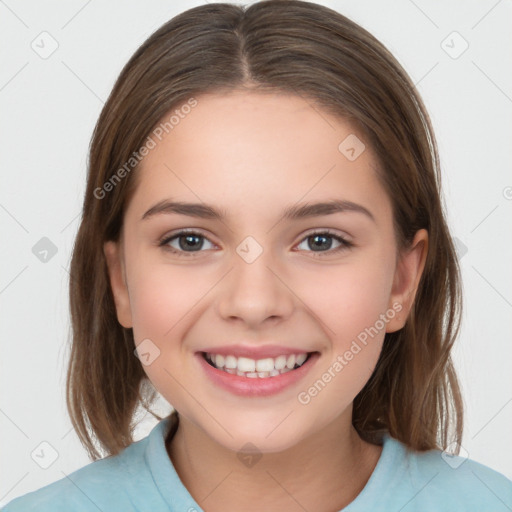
<point x="185" y="242"/>
<point x="189" y="242"/>
<point x="323" y="240"/>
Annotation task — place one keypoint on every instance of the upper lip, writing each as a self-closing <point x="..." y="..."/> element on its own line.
<point x="254" y="352"/>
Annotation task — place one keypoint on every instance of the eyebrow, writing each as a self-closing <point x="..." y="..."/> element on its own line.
<point x="294" y="212"/>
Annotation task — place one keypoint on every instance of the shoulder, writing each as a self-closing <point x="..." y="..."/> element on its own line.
<point x="439" y="481"/>
<point x="105" y="484"/>
<point x="477" y="482"/>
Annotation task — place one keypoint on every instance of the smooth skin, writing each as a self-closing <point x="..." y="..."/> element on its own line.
<point x="251" y="155"/>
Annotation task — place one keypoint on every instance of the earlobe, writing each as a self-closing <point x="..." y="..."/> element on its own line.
<point x="117" y="278"/>
<point x="407" y="277"/>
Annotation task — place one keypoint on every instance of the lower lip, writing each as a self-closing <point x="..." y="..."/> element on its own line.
<point x="247" y="386"/>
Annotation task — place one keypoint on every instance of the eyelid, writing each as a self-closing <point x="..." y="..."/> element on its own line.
<point x="327" y="231"/>
<point x="164" y="240"/>
<point x="344" y="241"/>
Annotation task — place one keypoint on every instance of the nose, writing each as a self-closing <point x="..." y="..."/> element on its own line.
<point x="255" y="292"/>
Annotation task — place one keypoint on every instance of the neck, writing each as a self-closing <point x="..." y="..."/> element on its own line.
<point x="327" y="469"/>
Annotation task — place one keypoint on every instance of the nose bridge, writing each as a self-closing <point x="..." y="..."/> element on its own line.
<point x="253" y="290"/>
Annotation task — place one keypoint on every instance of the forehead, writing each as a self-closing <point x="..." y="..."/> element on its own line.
<point x="255" y="151"/>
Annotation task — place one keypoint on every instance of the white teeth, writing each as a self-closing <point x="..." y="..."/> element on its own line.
<point x="290" y="363"/>
<point x="231" y="362"/>
<point x="280" y="362"/>
<point x="246" y="365"/>
<point x="253" y="368"/>
<point x="301" y="358"/>
<point x="264" y="365"/>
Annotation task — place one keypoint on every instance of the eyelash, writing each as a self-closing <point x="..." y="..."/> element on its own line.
<point x="345" y="244"/>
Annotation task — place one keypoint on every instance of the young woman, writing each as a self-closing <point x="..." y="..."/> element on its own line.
<point x="263" y="242"/>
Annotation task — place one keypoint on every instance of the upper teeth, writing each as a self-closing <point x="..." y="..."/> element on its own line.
<point x="245" y="364"/>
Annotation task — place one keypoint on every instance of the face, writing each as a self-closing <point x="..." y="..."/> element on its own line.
<point x="252" y="283"/>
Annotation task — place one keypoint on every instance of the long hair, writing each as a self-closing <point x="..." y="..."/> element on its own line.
<point x="304" y="49"/>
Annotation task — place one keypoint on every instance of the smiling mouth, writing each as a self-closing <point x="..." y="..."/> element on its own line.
<point x="256" y="368"/>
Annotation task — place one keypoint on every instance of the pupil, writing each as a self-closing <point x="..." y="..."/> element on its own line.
<point x="322" y="238"/>
<point x="192" y="242"/>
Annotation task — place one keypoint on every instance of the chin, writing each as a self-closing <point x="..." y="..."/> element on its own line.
<point x="264" y="435"/>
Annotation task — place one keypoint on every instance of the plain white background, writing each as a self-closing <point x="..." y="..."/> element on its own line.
<point x="49" y="108"/>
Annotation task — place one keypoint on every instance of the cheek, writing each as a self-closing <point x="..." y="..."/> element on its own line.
<point x="352" y="303"/>
<point x="351" y="306"/>
<point x="162" y="300"/>
<point x="162" y="295"/>
<point x="350" y="298"/>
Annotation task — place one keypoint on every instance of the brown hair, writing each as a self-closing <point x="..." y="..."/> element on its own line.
<point x="304" y="49"/>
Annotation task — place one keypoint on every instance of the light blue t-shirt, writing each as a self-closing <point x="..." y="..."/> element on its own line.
<point x="142" y="478"/>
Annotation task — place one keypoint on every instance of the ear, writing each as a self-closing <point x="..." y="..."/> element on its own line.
<point x="408" y="273"/>
<point x="116" y="271"/>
